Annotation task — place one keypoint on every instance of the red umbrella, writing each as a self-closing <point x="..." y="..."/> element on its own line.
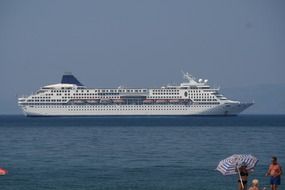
<point x="3" y="171"/>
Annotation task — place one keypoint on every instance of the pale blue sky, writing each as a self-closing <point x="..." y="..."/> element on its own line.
<point x="139" y="43"/>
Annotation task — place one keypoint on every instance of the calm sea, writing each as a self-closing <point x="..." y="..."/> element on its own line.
<point x="134" y="153"/>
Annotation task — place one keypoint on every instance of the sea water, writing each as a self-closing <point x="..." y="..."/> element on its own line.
<point x="134" y="153"/>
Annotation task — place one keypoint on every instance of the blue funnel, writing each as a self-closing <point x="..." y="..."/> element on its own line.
<point x="68" y="78"/>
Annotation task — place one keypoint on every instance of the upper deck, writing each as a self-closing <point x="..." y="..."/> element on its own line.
<point x="70" y="90"/>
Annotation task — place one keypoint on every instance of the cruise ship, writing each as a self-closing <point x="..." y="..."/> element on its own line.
<point x="71" y="98"/>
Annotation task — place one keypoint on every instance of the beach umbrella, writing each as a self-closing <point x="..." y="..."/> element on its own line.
<point x="3" y="171"/>
<point x="230" y="165"/>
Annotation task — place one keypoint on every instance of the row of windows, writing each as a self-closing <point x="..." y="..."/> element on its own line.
<point x="85" y="103"/>
<point x="200" y="94"/>
<point x="77" y="97"/>
<point x="164" y="90"/>
<point x="42" y="97"/>
<point x="109" y="106"/>
<point x="196" y="91"/>
<point x="165" y="97"/>
<point x="101" y="90"/>
<point x="128" y="90"/>
<point x="196" y="98"/>
<point x="205" y="100"/>
<point x="202" y="97"/>
<point x="106" y="94"/>
<point x="109" y="97"/>
<point x="46" y="100"/>
<point x="91" y="98"/>
<point x="110" y="109"/>
<point x="94" y="97"/>
<point x="60" y="91"/>
<point x="59" y="105"/>
<point x="122" y="109"/>
<point x="208" y="103"/>
<point x="165" y="93"/>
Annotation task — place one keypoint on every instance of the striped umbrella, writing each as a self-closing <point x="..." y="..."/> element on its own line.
<point x="228" y="166"/>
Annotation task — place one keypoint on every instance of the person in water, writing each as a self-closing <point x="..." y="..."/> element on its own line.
<point x="243" y="175"/>
<point x="275" y="172"/>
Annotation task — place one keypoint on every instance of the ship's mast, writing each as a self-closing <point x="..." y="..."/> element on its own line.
<point x="189" y="77"/>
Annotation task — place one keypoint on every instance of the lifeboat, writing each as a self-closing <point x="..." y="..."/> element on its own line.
<point x="161" y="101"/>
<point x="118" y="101"/>
<point x="105" y="101"/>
<point x="174" y="101"/>
<point x="77" y="101"/>
<point x="3" y="171"/>
<point x="148" y="101"/>
<point x="93" y="101"/>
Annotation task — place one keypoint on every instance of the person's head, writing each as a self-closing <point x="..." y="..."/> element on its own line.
<point x="255" y="182"/>
<point x="274" y="159"/>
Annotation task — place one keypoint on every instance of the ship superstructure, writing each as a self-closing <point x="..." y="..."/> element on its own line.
<point x="72" y="98"/>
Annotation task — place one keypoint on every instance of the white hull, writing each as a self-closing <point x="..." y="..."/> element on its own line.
<point x="136" y="110"/>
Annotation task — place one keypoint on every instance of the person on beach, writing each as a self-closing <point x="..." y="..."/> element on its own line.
<point x="243" y="175"/>
<point x="254" y="185"/>
<point x="275" y="172"/>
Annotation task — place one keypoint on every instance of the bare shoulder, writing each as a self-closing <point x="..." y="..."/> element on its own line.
<point x="253" y="188"/>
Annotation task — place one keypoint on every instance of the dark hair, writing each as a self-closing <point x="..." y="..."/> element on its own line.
<point x="274" y="158"/>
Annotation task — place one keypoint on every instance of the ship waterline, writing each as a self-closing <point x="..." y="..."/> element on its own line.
<point x="71" y="98"/>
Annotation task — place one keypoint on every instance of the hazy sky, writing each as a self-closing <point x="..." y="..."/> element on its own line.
<point x="139" y="43"/>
